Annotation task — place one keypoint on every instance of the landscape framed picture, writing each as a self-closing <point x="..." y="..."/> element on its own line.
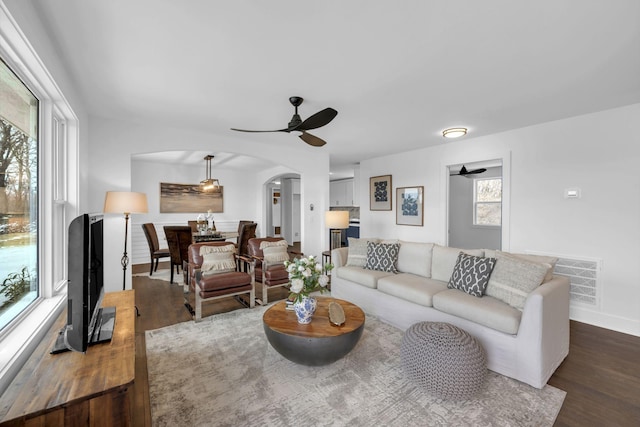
<point x="410" y="206"/>
<point x="189" y="198"/>
<point x="380" y="193"/>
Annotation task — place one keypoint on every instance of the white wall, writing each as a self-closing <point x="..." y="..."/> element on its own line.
<point x="113" y="142"/>
<point x="240" y="201"/>
<point x="598" y="153"/>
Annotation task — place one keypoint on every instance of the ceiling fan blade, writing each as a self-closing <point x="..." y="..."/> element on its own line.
<point x="312" y="139"/>
<point x="260" y="131"/>
<point x="477" y="171"/>
<point x="317" y="120"/>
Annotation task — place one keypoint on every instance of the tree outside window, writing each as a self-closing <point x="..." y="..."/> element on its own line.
<point x="487" y="202"/>
<point x="18" y="196"/>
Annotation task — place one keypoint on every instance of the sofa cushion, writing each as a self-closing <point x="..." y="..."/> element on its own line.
<point x="471" y="274"/>
<point x="486" y="311"/>
<point x="445" y="258"/>
<point x="357" y="256"/>
<point x="359" y="275"/>
<point x="512" y="279"/>
<point x="415" y="258"/>
<point x="382" y="257"/>
<point x="411" y="287"/>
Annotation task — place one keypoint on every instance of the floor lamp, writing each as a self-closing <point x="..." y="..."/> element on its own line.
<point x="335" y="221"/>
<point x="125" y="202"/>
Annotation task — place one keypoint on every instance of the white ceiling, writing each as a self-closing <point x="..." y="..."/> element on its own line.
<point x="398" y="72"/>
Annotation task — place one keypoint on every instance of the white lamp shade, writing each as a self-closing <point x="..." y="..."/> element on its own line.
<point x="125" y="202"/>
<point x="336" y="219"/>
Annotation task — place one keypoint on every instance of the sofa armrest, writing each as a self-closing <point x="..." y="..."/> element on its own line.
<point x="544" y="328"/>
<point x="339" y="257"/>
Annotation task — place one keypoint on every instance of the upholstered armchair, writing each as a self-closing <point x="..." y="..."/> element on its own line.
<point x="269" y="270"/>
<point x="216" y="272"/>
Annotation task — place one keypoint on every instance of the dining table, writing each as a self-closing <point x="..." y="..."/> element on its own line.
<point x="213" y="236"/>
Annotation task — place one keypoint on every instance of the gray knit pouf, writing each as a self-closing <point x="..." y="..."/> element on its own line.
<point x="444" y="359"/>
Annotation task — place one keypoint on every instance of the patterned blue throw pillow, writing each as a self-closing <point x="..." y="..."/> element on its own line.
<point x="471" y="274"/>
<point x="382" y="256"/>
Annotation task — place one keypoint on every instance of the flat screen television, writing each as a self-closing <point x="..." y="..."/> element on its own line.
<point x="87" y="322"/>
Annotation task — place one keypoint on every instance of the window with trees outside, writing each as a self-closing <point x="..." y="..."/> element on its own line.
<point x="487" y="202"/>
<point x="19" y="111"/>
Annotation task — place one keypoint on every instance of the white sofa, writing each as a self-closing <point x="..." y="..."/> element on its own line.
<point x="527" y="345"/>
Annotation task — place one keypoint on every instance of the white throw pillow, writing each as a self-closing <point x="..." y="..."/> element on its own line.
<point x="217" y="263"/>
<point x="415" y="258"/>
<point x="357" y="256"/>
<point x="208" y="249"/>
<point x="274" y="254"/>
<point x="512" y="280"/>
<point x="547" y="261"/>
<point x="278" y="243"/>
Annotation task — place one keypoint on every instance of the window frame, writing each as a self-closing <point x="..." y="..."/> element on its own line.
<point x="476" y="202"/>
<point x="55" y="203"/>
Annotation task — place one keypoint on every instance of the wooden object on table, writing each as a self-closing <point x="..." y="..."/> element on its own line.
<point x="74" y="388"/>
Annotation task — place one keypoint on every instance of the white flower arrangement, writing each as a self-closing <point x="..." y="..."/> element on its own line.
<point x="306" y="275"/>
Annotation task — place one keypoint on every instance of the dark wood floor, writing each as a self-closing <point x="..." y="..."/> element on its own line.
<point x="601" y="375"/>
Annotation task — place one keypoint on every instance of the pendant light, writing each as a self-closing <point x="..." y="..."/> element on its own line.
<point x="209" y="184"/>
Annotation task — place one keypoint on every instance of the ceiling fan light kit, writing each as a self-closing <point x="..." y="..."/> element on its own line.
<point x="210" y="185"/>
<point x="454" y="132"/>
<point x="315" y="121"/>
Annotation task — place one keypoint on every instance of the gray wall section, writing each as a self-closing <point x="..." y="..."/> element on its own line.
<point x="462" y="233"/>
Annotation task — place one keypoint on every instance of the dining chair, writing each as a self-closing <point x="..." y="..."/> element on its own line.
<point x="247" y="231"/>
<point x="178" y="238"/>
<point x="155" y="251"/>
<point x="193" y="225"/>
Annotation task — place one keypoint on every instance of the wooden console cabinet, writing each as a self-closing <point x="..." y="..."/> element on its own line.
<point x="75" y="389"/>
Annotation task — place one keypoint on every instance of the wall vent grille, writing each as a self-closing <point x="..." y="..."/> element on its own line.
<point x="583" y="276"/>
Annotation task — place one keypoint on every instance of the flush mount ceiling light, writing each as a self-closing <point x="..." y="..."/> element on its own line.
<point x="454" y="132"/>
<point x="209" y="184"/>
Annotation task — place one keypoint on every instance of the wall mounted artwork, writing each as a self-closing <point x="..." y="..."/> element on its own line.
<point x="380" y="192"/>
<point x="189" y="198"/>
<point x="409" y="206"/>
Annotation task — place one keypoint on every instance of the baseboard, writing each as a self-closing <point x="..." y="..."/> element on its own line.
<point x="607" y="321"/>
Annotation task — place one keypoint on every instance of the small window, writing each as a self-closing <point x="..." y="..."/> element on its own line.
<point x="487" y="202"/>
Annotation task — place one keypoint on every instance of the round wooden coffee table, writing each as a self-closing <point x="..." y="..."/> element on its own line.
<point x="319" y="342"/>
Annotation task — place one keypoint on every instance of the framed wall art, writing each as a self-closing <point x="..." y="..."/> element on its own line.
<point x="380" y="192"/>
<point x="409" y="206"/>
<point x="189" y="198"/>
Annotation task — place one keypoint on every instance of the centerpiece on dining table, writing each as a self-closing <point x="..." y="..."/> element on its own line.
<point x="306" y="275"/>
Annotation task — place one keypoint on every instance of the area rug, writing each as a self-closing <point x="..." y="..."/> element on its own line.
<point x="223" y="372"/>
<point x="163" y="274"/>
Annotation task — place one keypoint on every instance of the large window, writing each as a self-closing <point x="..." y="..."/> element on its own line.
<point x="487" y="202"/>
<point x="19" y="111"/>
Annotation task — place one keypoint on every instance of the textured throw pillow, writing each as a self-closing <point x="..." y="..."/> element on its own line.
<point x="274" y="254"/>
<point x="382" y="256"/>
<point x="217" y="263"/>
<point x="471" y="274"/>
<point x="278" y="243"/>
<point x="206" y="249"/>
<point x="512" y="280"/>
<point x="357" y="256"/>
<point x="547" y="261"/>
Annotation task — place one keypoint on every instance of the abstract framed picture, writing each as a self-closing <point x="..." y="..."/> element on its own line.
<point x="410" y="206"/>
<point x="380" y="193"/>
<point x="189" y="198"/>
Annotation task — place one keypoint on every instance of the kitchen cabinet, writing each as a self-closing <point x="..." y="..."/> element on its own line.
<point x="341" y="192"/>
